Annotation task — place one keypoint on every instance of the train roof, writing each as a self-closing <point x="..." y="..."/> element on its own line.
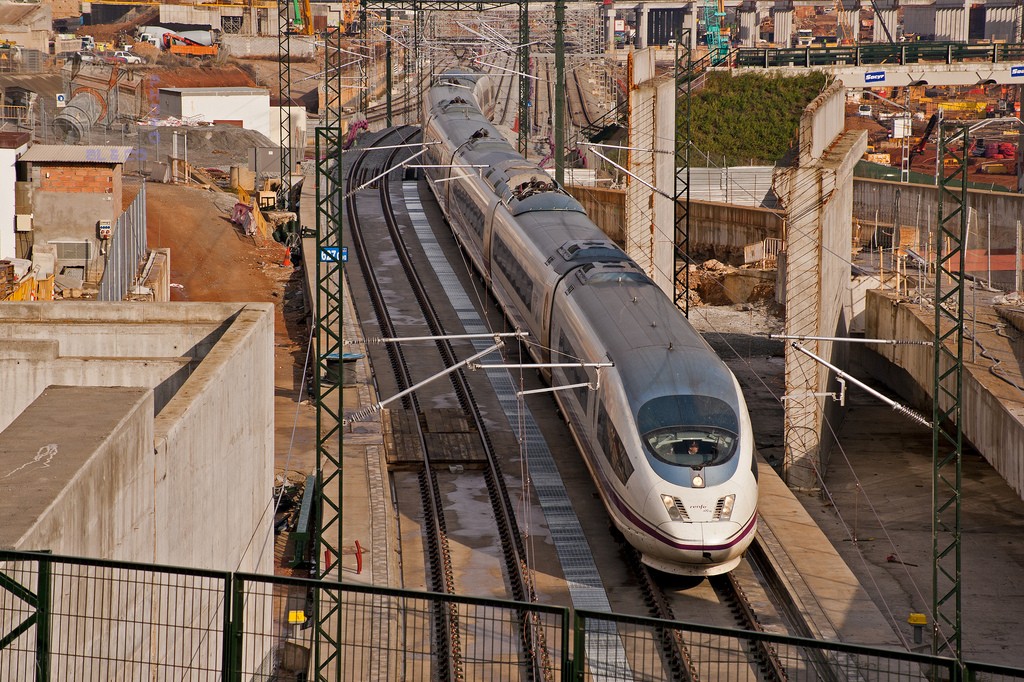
<point x="655" y="350"/>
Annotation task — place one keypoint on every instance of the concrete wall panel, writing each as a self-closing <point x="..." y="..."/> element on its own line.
<point x="102" y="502"/>
<point x="142" y="341"/>
<point x="919" y="20"/>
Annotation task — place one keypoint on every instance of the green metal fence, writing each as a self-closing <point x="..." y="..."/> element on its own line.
<point x="66" y="618"/>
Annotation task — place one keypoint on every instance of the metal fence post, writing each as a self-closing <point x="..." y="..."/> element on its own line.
<point x="567" y="658"/>
<point x="43" y="622"/>
<point x="579" y="653"/>
<point x="233" y="630"/>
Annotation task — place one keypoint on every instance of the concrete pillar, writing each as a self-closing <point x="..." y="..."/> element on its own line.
<point x="649" y="220"/>
<point x="885" y="18"/>
<point x="818" y="195"/>
<point x="919" y="20"/>
<point x="641" y="27"/>
<point x="749" y="31"/>
<point x="1002" y="20"/>
<point x="848" y="21"/>
<point x="783" y="23"/>
<point x="609" y="28"/>
<point x="951" y="20"/>
<point x="690" y="22"/>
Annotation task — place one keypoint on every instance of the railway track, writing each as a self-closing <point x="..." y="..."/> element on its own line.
<point x="577" y="101"/>
<point x="391" y="301"/>
<point x="720" y="601"/>
<point x="723" y="601"/>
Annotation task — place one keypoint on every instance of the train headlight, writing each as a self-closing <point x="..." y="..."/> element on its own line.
<point x="670" y="507"/>
<point x="725" y="506"/>
<point x="697" y="478"/>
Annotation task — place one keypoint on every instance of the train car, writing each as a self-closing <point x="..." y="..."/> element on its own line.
<point x="665" y="432"/>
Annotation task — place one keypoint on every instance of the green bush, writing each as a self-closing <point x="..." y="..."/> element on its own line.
<point x="749" y="119"/>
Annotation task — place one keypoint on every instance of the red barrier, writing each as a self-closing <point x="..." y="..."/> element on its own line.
<point x="359" y="558"/>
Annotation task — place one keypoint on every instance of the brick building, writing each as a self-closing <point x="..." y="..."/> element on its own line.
<point x="74" y="190"/>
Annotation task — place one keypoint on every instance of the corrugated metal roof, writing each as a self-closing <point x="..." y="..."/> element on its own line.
<point x="66" y="153"/>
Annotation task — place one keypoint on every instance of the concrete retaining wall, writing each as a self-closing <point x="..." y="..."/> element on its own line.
<point x="719" y="229"/>
<point x="87" y="470"/>
<point x="300" y="47"/>
<point x="214" y="446"/>
<point x="211" y="478"/>
<point x="993" y="221"/>
<point x="724" y="229"/>
<point x="995" y="427"/>
<point x="31" y="373"/>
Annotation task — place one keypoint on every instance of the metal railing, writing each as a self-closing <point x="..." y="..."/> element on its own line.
<point x="69" y="618"/>
<point x="879" y="53"/>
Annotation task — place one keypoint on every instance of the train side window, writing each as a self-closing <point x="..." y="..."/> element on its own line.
<point x="612" y="445"/>
<point x="574" y="375"/>
<point x="469" y="210"/>
<point x="513" y="271"/>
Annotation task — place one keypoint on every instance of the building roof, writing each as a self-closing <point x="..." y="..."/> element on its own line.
<point x="13" y="140"/>
<point x="66" y="153"/>
<point x="217" y="92"/>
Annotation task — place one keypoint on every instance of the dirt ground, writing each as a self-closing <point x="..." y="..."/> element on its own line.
<point x="211" y="260"/>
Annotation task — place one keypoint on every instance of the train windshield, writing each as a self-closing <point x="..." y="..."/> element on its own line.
<point x="689" y="430"/>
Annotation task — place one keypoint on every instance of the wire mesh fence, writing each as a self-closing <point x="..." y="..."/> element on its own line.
<point x="65" y="618"/>
<point x="385" y="634"/>
<point x="706" y="652"/>
<point x="71" y="620"/>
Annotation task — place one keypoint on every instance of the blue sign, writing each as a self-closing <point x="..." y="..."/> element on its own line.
<point x="1016" y="71"/>
<point x="329" y="254"/>
<point x="874" y="77"/>
<point x="344" y="254"/>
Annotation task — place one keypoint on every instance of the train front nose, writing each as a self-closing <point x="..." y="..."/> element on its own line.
<point x="700" y="548"/>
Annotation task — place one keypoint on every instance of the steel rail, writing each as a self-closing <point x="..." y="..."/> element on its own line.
<point x="441" y="578"/>
<point x="763" y="654"/>
<point x="513" y="548"/>
<point x="674" y="652"/>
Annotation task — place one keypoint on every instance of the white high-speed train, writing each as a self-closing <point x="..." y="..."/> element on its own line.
<point x="666" y="435"/>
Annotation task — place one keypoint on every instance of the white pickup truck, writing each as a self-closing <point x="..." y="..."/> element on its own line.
<point x="126" y="57"/>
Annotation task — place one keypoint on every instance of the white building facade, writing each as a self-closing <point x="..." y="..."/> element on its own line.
<point x="249" y="107"/>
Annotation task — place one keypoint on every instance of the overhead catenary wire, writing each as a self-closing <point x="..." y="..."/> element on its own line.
<point x="807" y="211"/>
